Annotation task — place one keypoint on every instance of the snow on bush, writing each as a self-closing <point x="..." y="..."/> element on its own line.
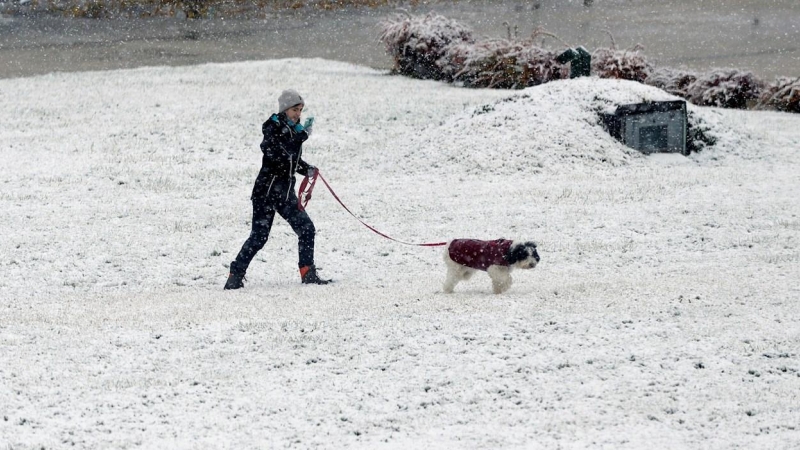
<point x="434" y="47"/>
<point x="726" y="88"/>
<point x="674" y="81"/>
<point x="502" y="63"/>
<point x="417" y="43"/>
<point x="621" y="64"/>
<point x="783" y="94"/>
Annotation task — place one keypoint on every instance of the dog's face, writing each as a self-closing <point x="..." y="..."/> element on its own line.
<point x="523" y="255"/>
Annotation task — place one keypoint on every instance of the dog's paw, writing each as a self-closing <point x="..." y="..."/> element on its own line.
<point x="498" y="287"/>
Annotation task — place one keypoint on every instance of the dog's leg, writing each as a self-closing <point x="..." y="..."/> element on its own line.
<point x="455" y="274"/>
<point x="450" y="281"/>
<point x="501" y="278"/>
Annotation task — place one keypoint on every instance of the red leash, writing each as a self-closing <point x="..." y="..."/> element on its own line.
<point x="304" y="192"/>
<point x="304" y="195"/>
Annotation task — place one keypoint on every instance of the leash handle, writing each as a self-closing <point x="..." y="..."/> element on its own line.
<point x="306" y="187"/>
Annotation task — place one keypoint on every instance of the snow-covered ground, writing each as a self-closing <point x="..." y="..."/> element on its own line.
<point x="664" y="313"/>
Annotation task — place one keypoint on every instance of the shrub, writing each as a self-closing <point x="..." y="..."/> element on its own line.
<point x="621" y="64"/>
<point x="418" y="43"/>
<point x="698" y="134"/>
<point x="502" y="63"/>
<point x="783" y="94"/>
<point x="726" y="88"/>
<point x="676" y="82"/>
<point x="434" y="47"/>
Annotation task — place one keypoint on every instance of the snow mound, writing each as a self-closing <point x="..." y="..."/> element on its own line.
<point x="556" y="127"/>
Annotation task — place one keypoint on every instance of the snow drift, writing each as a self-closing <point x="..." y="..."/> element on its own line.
<point x="557" y="127"/>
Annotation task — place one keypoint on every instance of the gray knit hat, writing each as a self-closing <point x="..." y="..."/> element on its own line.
<point x="288" y="98"/>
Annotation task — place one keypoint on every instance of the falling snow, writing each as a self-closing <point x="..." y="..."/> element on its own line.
<point x="663" y="313"/>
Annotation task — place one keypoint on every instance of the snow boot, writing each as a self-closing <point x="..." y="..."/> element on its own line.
<point x="309" y="275"/>
<point x="235" y="277"/>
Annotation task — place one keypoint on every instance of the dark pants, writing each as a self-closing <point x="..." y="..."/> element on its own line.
<point x="264" y="209"/>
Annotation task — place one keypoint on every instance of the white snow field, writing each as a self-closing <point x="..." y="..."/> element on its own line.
<point x="664" y="313"/>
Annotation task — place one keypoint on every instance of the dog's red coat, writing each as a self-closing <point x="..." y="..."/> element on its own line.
<point x="477" y="254"/>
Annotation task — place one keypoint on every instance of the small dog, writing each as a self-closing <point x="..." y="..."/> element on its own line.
<point x="497" y="258"/>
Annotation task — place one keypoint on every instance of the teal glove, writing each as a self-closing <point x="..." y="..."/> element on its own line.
<point x="308" y="125"/>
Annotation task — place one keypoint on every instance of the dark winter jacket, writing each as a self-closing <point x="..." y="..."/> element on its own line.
<point x="282" y="148"/>
<point x="478" y="254"/>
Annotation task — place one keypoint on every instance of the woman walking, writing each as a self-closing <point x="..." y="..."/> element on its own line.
<point x="273" y="191"/>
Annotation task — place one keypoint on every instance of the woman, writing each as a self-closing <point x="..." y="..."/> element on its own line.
<point x="274" y="190"/>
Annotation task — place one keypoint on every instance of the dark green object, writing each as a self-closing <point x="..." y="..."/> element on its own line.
<point x="580" y="61"/>
<point x="651" y="127"/>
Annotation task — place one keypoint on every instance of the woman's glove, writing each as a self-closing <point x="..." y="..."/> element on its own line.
<point x="308" y="125"/>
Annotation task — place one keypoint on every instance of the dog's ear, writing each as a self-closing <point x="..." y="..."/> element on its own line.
<point x="531" y="244"/>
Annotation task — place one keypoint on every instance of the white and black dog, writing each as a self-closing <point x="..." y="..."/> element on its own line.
<point x="497" y="258"/>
